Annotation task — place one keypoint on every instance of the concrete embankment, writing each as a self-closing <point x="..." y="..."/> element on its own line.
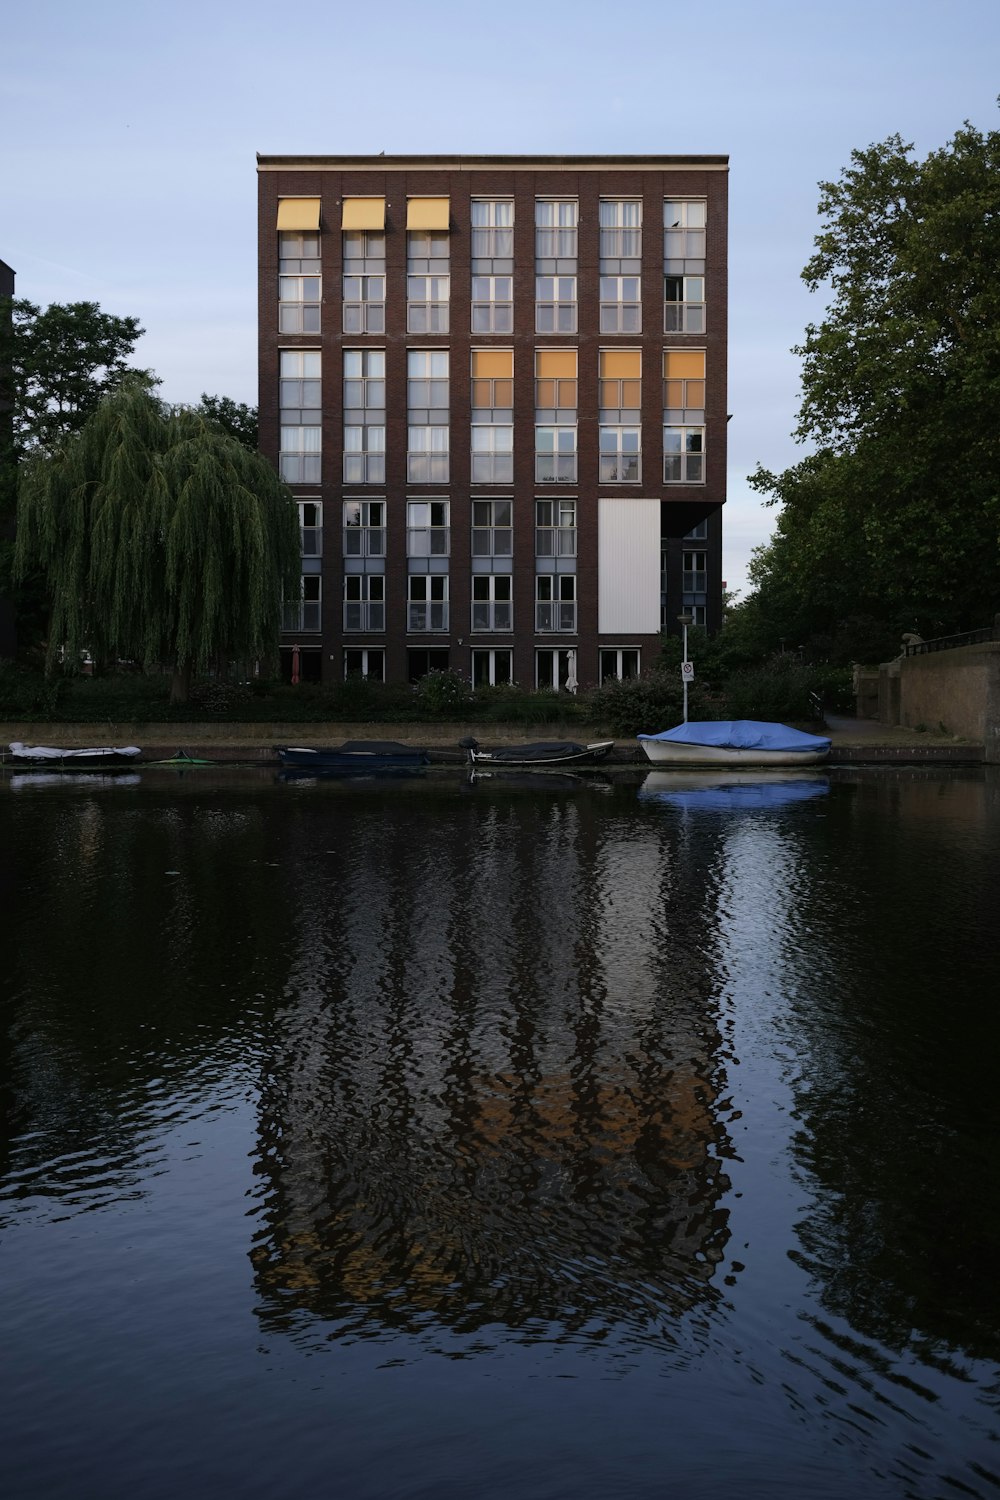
<point x="854" y="741"/>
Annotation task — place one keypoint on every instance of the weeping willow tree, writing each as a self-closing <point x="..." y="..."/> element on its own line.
<point x="162" y="540"/>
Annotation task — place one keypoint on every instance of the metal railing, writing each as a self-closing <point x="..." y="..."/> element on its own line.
<point x="951" y="642"/>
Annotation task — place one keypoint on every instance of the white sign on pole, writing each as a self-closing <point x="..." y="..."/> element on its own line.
<point x="687" y="671"/>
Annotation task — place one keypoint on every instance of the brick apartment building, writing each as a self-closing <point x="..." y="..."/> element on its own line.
<point x="497" y="388"/>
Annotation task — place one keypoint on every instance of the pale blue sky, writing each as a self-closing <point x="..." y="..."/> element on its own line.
<point x="128" y="134"/>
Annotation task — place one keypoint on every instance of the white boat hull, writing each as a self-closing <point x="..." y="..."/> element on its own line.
<point x="669" y="753"/>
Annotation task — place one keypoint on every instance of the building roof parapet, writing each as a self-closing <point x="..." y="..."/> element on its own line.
<point x="451" y="163"/>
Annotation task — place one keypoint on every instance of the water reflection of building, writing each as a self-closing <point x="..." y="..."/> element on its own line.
<point x="493" y="1090"/>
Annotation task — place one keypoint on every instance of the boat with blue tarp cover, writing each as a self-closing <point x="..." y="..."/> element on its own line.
<point x="735" y="742"/>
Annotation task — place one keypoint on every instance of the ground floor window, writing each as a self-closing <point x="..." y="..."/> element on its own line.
<point x="619" y="661"/>
<point x="420" y="661"/>
<point x="556" y="669"/>
<point x="365" y="661"/>
<point x="492" y="668"/>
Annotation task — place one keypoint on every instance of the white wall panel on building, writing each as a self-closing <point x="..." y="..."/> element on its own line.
<point x="628" y="573"/>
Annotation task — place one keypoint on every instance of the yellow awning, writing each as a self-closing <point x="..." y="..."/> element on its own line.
<point x="621" y="364"/>
<point x="492" y="364"/>
<point x="363" y="213"/>
<point x="427" y="213"/>
<point x="684" y="364"/>
<point x="555" y="364"/>
<point x="298" y="213"/>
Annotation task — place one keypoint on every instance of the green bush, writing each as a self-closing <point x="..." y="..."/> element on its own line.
<point x="26" y="693"/>
<point x="443" y="694"/>
<point x="778" y="690"/>
<point x="649" y="704"/>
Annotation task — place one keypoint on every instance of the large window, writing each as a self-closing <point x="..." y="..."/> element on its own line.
<point x="492" y="304"/>
<point x="684" y="384"/>
<point x="492" y="434"/>
<point x="684" y="304"/>
<point x="364" y="602"/>
<point x="621" y="662"/>
<point x="306" y="612"/>
<point x="555" y="528"/>
<point x="364" y="528"/>
<point x="683" y="455"/>
<point x="621" y="455"/>
<point x="300" y="286"/>
<point x="556" y="234"/>
<point x="555" y="669"/>
<point x="555" y="416"/>
<point x="621" y="232"/>
<point x="493" y="233"/>
<point x="427" y="407"/>
<point x="492" y="668"/>
<point x="364" y="416"/>
<point x="555" y="601"/>
<point x="555" y="455"/>
<point x="427" y="603"/>
<point x="555" y="304"/>
<point x="364" y="304"/>
<point x="492" y="455"/>
<point x="364" y="282"/>
<point x="367" y="662"/>
<point x="427" y="304"/>
<point x="492" y="608"/>
<point x="621" y="304"/>
<point x="428" y="284"/>
<point x="300" y="402"/>
<point x="684" y="416"/>
<point x="620" y="395"/>
<point x="310" y="528"/>
<point x="428" y="533"/>
<point x="492" y="528"/>
<point x="684" y="237"/>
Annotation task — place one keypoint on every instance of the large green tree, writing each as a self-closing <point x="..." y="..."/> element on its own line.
<point x="161" y="539"/>
<point x="897" y="510"/>
<point x="63" y="362"/>
<point x="234" y="417"/>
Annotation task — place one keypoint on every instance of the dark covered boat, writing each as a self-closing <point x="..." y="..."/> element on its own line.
<point x="542" y="753"/>
<point x="354" y="757"/>
<point x="60" y="758"/>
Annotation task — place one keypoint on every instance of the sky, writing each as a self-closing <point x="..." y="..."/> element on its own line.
<point x="129" y="133"/>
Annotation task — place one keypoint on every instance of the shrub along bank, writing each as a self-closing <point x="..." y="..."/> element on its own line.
<point x="777" y="689"/>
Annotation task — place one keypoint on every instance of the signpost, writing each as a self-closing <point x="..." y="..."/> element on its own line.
<point x="687" y="667"/>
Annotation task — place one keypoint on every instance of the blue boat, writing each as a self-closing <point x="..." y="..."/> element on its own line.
<point x="734" y="742"/>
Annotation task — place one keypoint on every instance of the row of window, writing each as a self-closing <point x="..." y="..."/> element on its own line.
<point x="428" y="304"/>
<point x="428" y="456"/>
<point x="428" y="532"/>
<point x="492" y="666"/>
<point x="492" y="428"/>
<point x="428" y="604"/>
<point x="428" y="280"/>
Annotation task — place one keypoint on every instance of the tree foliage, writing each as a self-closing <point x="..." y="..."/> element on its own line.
<point x="63" y="362"/>
<point x="161" y="538"/>
<point x="234" y="417"/>
<point x="896" y="513"/>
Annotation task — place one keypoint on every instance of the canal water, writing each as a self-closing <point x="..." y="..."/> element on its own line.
<point x="595" y="1138"/>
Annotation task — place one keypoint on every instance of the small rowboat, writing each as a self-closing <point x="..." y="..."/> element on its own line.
<point x="354" y="757"/>
<point x="544" y="753"/>
<point x="59" y="758"/>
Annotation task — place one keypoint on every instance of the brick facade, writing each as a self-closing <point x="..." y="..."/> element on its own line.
<point x="521" y="180"/>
